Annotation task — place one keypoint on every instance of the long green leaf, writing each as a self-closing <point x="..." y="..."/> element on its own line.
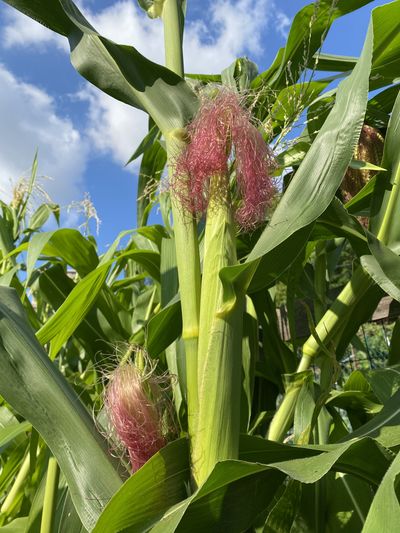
<point x="309" y="464"/>
<point x="383" y="267"/>
<point x="306" y="34"/>
<point x="164" y="328"/>
<point x="118" y="70"/>
<point x="332" y="62"/>
<point x="236" y="491"/>
<point x="384" y="514"/>
<point x="16" y="526"/>
<point x="384" y="382"/>
<point x="380" y="106"/>
<point x="38" y="391"/>
<point x="69" y="244"/>
<point x="144" y="498"/>
<point x="386" y="199"/>
<point x="71" y="313"/>
<point x="8" y="433"/>
<point x="315" y="182"/>
<point x="55" y="286"/>
<point x="386" y="63"/>
<point x="229" y="500"/>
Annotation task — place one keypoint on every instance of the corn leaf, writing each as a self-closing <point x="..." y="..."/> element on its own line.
<point x="309" y="464"/>
<point x="9" y="433"/>
<point x="38" y="391"/>
<point x="71" y="313"/>
<point x="16" y="526"/>
<point x="385" y="426"/>
<point x="384" y="513"/>
<point x="145" y="496"/>
<point x="332" y="62"/>
<point x="164" y="328"/>
<point x="68" y="244"/>
<point x="383" y="267"/>
<point x="55" y="286"/>
<point x="386" y="63"/>
<point x="386" y="198"/>
<point x="306" y="34"/>
<point x="237" y="491"/>
<point x="118" y="70"/>
<point x="314" y="184"/>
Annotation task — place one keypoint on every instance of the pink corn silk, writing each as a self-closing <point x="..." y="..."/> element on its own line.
<point x="254" y="165"/>
<point x="135" y="418"/>
<point x="204" y="156"/>
<point x="220" y="124"/>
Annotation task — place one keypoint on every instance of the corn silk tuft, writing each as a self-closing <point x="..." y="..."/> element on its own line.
<point x="221" y="132"/>
<point x="135" y="403"/>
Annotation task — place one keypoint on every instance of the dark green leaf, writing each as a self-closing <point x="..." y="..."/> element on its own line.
<point x="145" y="496"/>
<point x="385" y="426"/>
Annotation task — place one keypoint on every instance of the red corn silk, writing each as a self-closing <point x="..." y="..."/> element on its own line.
<point x="222" y="130"/>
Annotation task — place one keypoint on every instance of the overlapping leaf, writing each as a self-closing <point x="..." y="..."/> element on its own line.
<point x="36" y="389"/>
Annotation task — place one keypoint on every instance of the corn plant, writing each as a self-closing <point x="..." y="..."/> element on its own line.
<point x="205" y="418"/>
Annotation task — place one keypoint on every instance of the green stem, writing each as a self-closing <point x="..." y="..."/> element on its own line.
<point x="188" y="265"/>
<point x="173" y="33"/>
<point x="327" y="331"/>
<point x="320" y="281"/>
<point x="391" y="210"/>
<point x="336" y="315"/>
<point x="185" y="227"/>
<point x="50" y="496"/>
<point x="283" y="418"/>
<point x="18" y="484"/>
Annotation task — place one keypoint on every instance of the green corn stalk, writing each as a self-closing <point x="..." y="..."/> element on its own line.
<point x="50" y="497"/>
<point x="327" y="329"/>
<point x="185" y="227"/>
<point x="213" y="346"/>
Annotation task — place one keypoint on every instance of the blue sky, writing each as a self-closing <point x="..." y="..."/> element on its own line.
<point x="84" y="137"/>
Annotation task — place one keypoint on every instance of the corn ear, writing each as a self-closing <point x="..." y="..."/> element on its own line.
<point x="219" y="354"/>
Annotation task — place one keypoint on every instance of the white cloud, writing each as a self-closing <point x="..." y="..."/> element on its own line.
<point x="21" y="30"/>
<point x="230" y="28"/>
<point x="29" y="121"/>
<point x="282" y="23"/>
<point x="113" y="127"/>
